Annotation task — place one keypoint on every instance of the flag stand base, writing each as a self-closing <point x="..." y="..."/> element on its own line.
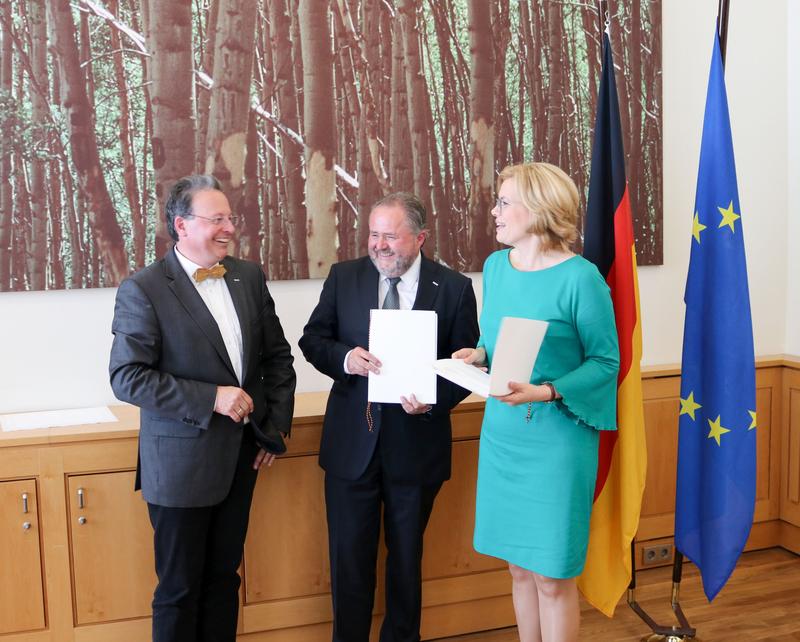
<point x="681" y="633"/>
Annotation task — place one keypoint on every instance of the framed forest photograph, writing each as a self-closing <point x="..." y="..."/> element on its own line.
<point x="307" y="111"/>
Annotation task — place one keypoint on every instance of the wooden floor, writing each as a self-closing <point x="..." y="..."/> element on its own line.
<point x="761" y="601"/>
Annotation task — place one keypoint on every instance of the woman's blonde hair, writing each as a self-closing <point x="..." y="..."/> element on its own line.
<point x="552" y="200"/>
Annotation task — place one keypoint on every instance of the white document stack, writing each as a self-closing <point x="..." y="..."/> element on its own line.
<point x="405" y="343"/>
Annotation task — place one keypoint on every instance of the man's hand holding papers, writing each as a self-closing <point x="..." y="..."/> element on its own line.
<point x="361" y="362"/>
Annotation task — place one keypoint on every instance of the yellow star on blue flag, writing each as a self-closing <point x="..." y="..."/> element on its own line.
<point x="715" y="493"/>
<point x="689" y="406"/>
<point x="728" y="216"/>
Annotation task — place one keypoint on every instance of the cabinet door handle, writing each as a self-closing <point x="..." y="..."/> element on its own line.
<point x="80" y="498"/>
<point x="26" y="526"/>
<point x="81" y="520"/>
<point x="25" y="503"/>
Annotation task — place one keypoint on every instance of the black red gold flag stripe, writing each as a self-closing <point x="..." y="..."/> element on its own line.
<point x="622" y="460"/>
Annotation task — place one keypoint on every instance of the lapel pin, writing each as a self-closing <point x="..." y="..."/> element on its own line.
<point x="236" y="280"/>
<point x="435" y="283"/>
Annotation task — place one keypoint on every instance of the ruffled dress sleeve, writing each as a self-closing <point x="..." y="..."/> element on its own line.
<point x="589" y="392"/>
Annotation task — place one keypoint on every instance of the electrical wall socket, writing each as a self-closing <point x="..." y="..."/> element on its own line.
<point x="657" y="555"/>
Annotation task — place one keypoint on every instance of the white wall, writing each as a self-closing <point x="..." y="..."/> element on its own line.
<point x="55" y="344"/>
<point x="756" y="77"/>
<point x="792" y="344"/>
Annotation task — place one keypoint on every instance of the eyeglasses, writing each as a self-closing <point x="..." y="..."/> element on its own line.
<point x="217" y="221"/>
<point x="500" y="203"/>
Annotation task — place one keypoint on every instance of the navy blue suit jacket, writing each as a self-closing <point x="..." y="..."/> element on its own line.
<point x="414" y="448"/>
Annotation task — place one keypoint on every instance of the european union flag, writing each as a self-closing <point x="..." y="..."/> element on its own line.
<point x="717" y="437"/>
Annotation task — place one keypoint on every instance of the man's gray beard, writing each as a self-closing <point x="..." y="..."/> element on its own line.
<point x="399" y="267"/>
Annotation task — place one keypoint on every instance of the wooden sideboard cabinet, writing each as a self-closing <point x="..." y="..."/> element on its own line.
<point x="82" y="569"/>
<point x="77" y="562"/>
<point x="22" y="585"/>
<point x="110" y="547"/>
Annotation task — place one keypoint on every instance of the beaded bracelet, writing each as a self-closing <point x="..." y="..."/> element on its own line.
<point x="530" y="403"/>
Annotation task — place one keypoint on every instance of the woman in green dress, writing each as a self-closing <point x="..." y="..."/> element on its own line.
<point x="538" y="446"/>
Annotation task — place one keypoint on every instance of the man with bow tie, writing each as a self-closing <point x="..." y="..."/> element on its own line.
<point x="199" y="348"/>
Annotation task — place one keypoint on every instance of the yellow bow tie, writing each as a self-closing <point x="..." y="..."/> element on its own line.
<point x="216" y="272"/>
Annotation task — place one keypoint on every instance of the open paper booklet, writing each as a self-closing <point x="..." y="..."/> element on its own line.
<point x="515" y="353"/>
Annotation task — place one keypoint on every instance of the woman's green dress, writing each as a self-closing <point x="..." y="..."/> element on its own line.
<point x="536" y="478"/>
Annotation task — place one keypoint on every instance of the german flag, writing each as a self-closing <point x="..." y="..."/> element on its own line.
<point x="609" y="244"/>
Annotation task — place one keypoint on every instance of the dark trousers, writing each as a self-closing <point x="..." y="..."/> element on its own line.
<point x="197" y="552"/>
<point x="354" y="513"/>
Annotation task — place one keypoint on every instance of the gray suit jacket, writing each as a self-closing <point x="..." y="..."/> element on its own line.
<point x="168" y="358"/>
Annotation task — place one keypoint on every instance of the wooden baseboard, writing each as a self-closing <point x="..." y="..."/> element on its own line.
<point x="790" y="537"/>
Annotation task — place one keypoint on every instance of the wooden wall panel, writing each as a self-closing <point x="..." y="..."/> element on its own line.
<point x="286" y="552"/>
<point x="763" y="405"/>
<point x="790" y="464"/>
<point x="448" y="539"/>
<point x="768" y="443"/>
<point x="661" y="410"/>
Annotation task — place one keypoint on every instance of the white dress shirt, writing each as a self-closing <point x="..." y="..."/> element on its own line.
<point x="217" y="298"/>
<point x="406" y="287"/>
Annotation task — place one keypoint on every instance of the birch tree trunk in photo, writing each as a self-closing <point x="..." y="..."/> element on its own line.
<point x="147" y="131"/>
<point x="481" y="130"/>
<point x="649" y="236"/>
<point x="319" y="113"/>
<point x="556" y="123"/>
<point x="504" y="143"/>
<point x="637" y="189"/>
<point x="401" y="164"/>
<point x="85" y="155"/>
<point x="168" y="27"/>
<point x="381" y="75"/>
<point x="292" y="161"/>
<point x="417" y="97"/>
<point x="20" y="273"/>
<point x="6" y="193"/>
<point x="37" y="258"/>
<point x="203" y="93"/>
<point x="62" y="181"/>
<point x="372" y="178"/>
<point x="297" y="52"/>
<point x="21" y="228"/>
<point x="230" y="96"/>
<point x="594" y="38"/>
<point x="250" y="238"/>
<point x="56" y="235"/>
<point x="129" y="176"/>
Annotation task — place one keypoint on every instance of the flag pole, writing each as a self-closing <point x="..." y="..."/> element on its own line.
<point x="661" y="633"/>
<point x="684" y="632"/>
<point x="722" y="28"/>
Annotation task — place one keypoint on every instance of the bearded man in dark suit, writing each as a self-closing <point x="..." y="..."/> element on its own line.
<point x="199" y="348"/>
<point x="399" y="456"/>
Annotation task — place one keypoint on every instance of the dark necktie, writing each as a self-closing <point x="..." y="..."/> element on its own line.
<point x="392" y="300"/>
